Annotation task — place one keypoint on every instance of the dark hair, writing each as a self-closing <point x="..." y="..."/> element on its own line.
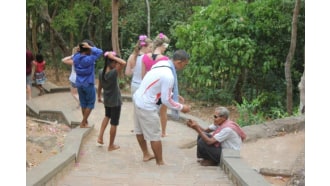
<point x="181" y="55"/>
<point x="39" y="58"/>
<point x="82" y="49"/>
<point x="107" y="62"/>
<point x="91" y="43"/>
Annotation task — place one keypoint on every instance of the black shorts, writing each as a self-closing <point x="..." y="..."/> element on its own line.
<point x="114" y="114"/>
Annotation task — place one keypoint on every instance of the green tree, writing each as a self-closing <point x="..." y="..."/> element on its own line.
<point x="217" y="37"/>
<point x="238" y="49"/>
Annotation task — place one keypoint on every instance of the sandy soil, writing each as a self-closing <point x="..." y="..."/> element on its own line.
<point x="37" y="153"/>
<point x="276" y="153"/>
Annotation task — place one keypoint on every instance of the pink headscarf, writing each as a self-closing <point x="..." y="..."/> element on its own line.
<point x="232" y="125"/>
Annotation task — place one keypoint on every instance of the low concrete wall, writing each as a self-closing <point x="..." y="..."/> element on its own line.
<point x="53" y="169"/>
<point x="238" y="171"/>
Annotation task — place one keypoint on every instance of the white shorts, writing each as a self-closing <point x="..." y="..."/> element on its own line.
<point x="147" y="122"/>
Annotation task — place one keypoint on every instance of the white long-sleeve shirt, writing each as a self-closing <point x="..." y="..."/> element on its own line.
<point x="157" y="83"/>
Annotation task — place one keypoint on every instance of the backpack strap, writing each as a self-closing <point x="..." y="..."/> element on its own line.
<point x="153" y="56"/>
<point x="161" y="66"/>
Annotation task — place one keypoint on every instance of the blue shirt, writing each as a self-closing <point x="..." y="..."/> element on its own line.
<point x="175" y="113"/>
<point x="84" y="66"/>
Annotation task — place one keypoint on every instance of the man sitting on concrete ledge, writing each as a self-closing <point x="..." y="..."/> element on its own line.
<point x="225" y="134"/>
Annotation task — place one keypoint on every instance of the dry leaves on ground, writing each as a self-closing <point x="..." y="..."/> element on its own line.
<point x="43" y="141"/>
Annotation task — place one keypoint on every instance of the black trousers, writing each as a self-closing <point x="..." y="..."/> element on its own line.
<point x="208" y="152"/>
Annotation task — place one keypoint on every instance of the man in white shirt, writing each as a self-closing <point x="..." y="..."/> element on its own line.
<point x="225" y="134"/>
<point x="157" y="84"/>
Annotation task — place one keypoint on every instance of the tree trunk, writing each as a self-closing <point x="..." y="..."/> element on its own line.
<point x="289" y="57"/>
<point x="34" y="36"/>
<point x="238" y="89"/>
<point x="72" y="44"/>
<point x="148" y="13"/>
<point x="91" y="25"/>
<point x="301" y="87"/>
<point x="52" y="44"/>
<point x="28" y="31"/>
<point x="57" y="36"/>
<point x="114" y="31"/>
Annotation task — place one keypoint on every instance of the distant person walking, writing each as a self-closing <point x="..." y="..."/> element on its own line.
<point x="39" y="73"/>
<point x="108" y="81"/>
<point x="29" y="62"/>
<point x="84" y="62"/>
<point x="157" y="84"/>
<point x="73" y="88"/>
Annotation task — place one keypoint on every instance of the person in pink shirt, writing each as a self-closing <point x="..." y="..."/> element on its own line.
<point x="134" y="62"/>
<point x="160" y="44"/>
<point x="39" y="72"/>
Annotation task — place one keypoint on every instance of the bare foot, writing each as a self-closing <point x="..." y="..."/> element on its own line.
<point x="161" y="163"/>
<point x="208" y="163"/>
<point x="100" y="141"/>
<point x="84" y="126"/>
<point x="148" y="158"/>
<point x="113" y="147"/>
<point x="164" y="135"/>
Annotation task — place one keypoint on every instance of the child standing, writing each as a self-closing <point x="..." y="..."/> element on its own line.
<point x="108" y="81"/>
<point x="39" y="73"/>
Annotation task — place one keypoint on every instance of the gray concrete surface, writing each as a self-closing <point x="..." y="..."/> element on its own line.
<point x="94" y="165"/>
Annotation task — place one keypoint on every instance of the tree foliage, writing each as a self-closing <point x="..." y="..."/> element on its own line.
<point x="238" y="50"/>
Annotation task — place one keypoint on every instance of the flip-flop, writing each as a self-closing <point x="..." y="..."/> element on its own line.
<point x="98" y="143"/>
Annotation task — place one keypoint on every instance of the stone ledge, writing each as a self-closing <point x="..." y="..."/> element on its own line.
<point x="238" y="171"/>
<point x="73" y="141"/>
<point x="59" y="116"/>
<point x="49" y="170"/>
<point x="52" y="88"/>
<point x="42" y="174"/>
<point x="274" y="128"/>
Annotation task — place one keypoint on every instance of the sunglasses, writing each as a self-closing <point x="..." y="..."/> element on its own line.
<point x="215" y="116"/>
